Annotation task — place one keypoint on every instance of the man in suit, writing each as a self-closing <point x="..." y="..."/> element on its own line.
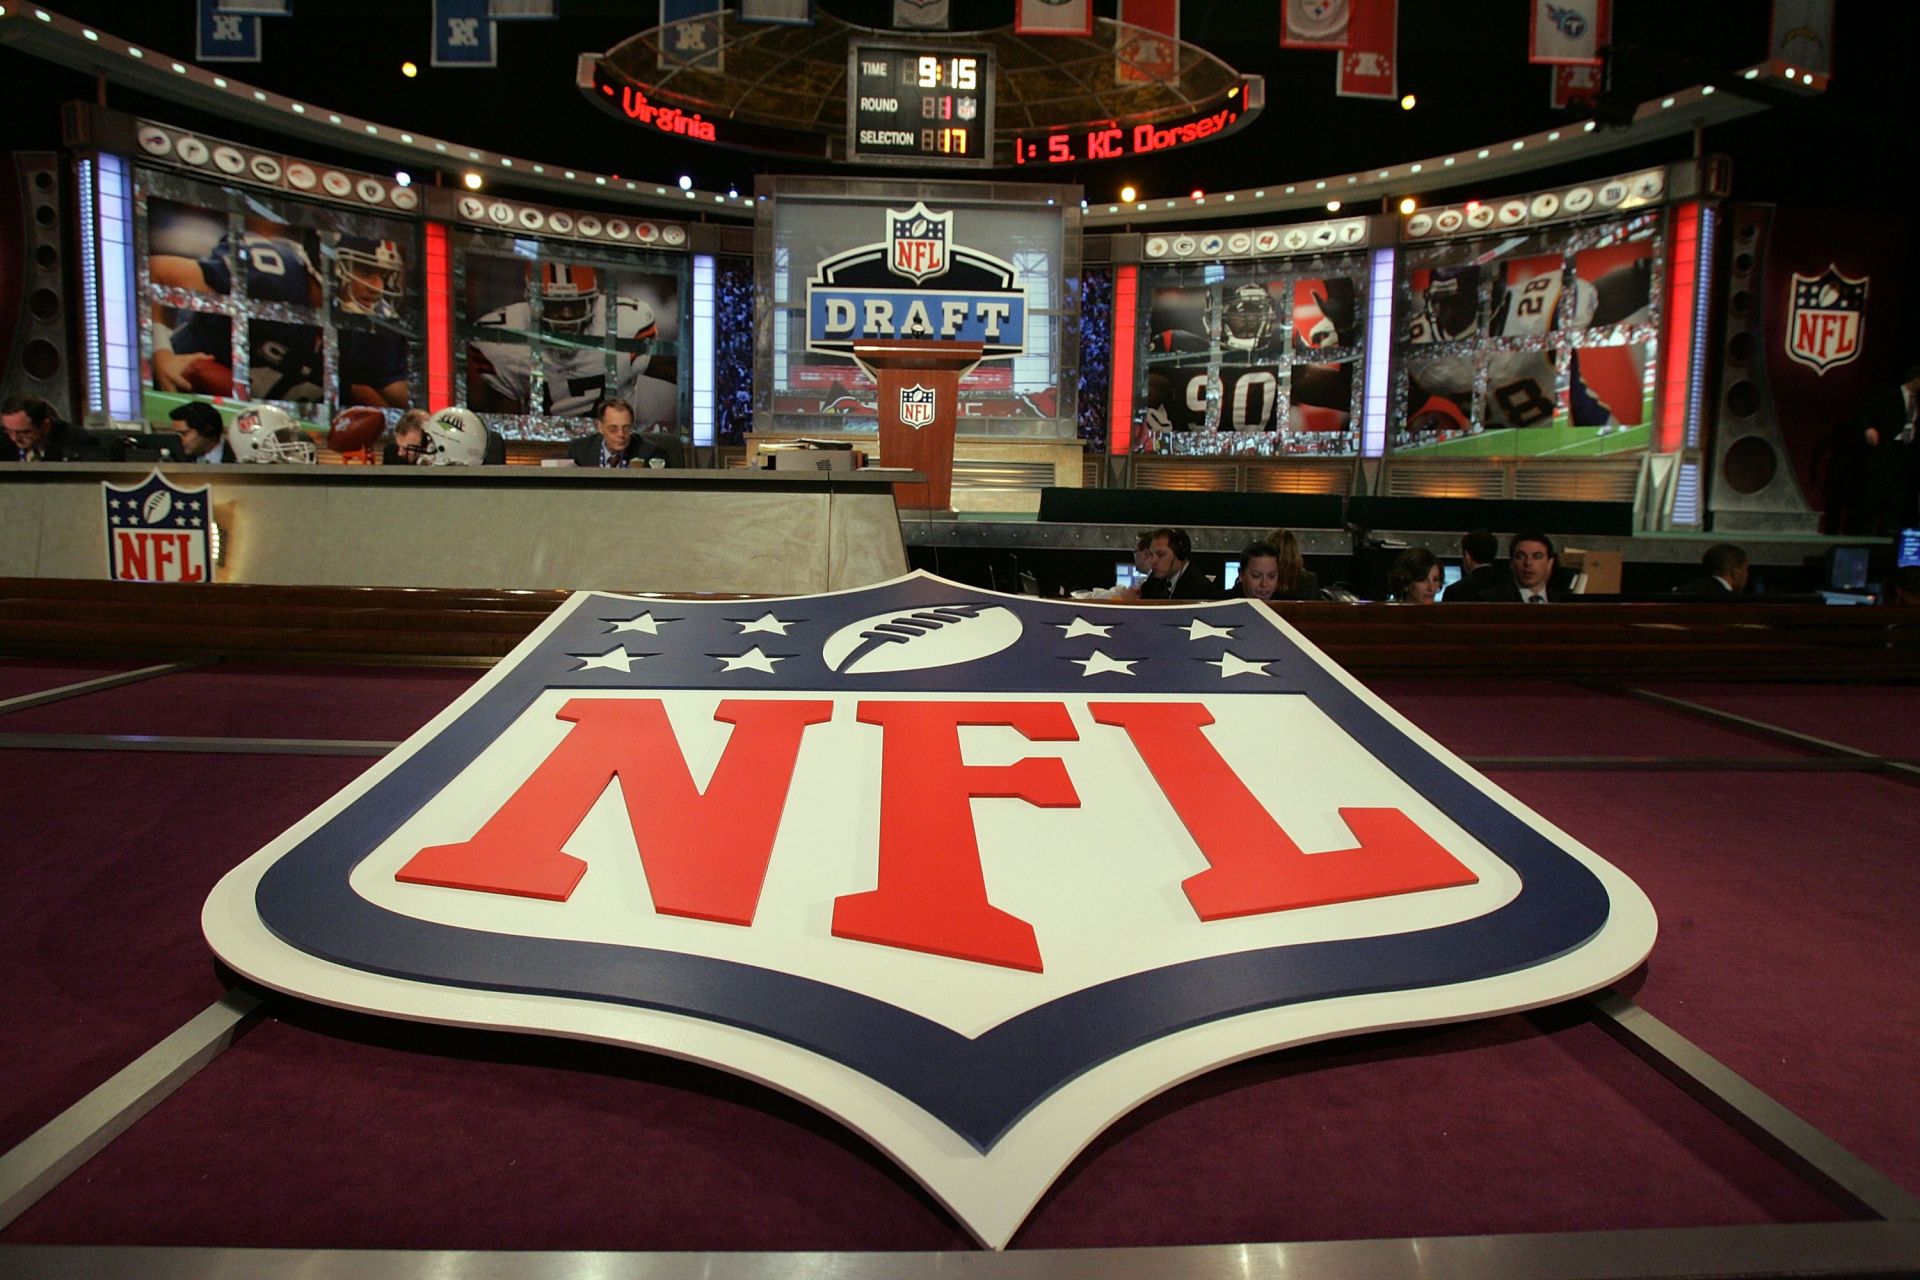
<point x="617" y="444"/>
<point x="34" y="433"/>
<point x="1482" y="576"/>
<point x="1170" y="569"/>
<point x="1724" y="574"/>
<point x="1531" y="559"/>
<point x="1890" y="474"/>
<point x="203" y="436"/>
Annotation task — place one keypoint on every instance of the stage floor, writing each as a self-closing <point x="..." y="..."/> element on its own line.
<point x="1772" y="826"/>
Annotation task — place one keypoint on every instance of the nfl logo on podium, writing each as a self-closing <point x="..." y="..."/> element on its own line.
<point x="916" y="406"/>
<point x="917" y="240"/>
<point x="157" y="531"/>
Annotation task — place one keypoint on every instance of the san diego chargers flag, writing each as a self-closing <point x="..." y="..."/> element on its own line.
<point x="975" y="874"/>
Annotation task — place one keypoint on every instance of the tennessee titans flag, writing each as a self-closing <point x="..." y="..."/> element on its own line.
<point x="1570" y="32"/>
<point x="974" y="874"/>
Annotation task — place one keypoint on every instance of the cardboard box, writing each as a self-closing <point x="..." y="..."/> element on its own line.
<point x="1602" y="569"/>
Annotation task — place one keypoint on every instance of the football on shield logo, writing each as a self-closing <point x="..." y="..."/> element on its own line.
<point x="1827" y="320"/>
<point x="974" y="874"/>
<point x="158" y="531"/>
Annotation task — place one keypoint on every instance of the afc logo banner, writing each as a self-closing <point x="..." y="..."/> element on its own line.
<point x="158" y="531"/>
<point x="973" y="874"/>
<point x="1827" y="319"/>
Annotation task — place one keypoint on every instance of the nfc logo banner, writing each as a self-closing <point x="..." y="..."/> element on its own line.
<point x="974" y="874"/>
<point x="463" y="34"/>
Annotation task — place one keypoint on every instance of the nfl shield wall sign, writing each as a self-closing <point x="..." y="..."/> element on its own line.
<point x="975" y="874"/>
<point x="158" y="531"/>
<point x="1826" y="319"/>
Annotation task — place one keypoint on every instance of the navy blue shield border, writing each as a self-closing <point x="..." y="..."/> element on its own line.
<point x="979" y="1087"/>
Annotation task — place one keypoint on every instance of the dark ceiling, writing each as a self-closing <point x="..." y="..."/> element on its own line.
<point x="1466" y="61"/>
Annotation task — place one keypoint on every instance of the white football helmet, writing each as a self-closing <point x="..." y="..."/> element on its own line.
<point x="567" y="296"/>
<point x="369" y="275"/>
<point x="267" y="434"/>
<point x="455" y="437"/>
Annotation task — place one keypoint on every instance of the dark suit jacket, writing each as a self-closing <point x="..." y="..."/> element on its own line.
<point x="1190" y="585"/>
<point x="1488" y="582"/>
<point x="641" y="450"/>
<point x="64" y="443"/>
<point x="1889" y="478"/>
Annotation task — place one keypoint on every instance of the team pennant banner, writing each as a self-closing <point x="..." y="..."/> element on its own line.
<point x="1313" y="24"/>
<point x="1146" y="41"/>
<point x="463" y="34"/>
<point x="975" y="874"/>
<point x="928" y="15"/>
<point x="691" y="34"/>
<point x="1575" y="85"/>
<point x="522" y="10"/>
<point x="1801" y="34"/>
<point x="1370" y="61"/>
<point x="226" y="37"/>
<point x="1054" y="18"/>
<point x="791" y="13"/>
<point x="1570" y="31"/>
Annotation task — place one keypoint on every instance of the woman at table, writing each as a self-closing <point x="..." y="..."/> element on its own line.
<point x="1296" y="582"/>
<point x="1415" y="577"/>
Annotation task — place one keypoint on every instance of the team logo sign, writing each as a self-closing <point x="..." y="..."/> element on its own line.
<point x="158" y="531"/>
<point x="975" y="874"/>
<point x="916" y="406"/>
<point x="1827" y="320"/>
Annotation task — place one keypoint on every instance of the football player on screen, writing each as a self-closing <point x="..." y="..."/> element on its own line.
<point x="277" y="270"/>
<point x="369" y="280"/>
<point x="574" y="359"/>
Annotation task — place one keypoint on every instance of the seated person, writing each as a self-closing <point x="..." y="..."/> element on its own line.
<point x="1530" y="558"/>
<point x="1482" y="576"/>
<point x="408" y="446"/>
<point x="1415" y="577"/>
<point x="617" y="444"/>
<point x="1724" y="574"/>
<point x="203" y="434"/>
<point x="1170" y="566"/>
<point x="1259" y="573"/>
<point x="1297" y="582"/>
<point x="34" y="433"/>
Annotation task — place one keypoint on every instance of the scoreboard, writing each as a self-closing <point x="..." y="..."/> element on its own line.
<point x="919" y="104"/>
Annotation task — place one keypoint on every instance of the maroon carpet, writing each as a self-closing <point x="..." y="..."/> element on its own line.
<point x="33" y="675"/>
<point x="246" y="700"/>
<point x="1786" y="950"/>
<point x="1884" y="719"/>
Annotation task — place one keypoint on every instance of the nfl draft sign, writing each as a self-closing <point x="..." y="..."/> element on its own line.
<point x="158" y="531"/>
<point x="974" y="874"/>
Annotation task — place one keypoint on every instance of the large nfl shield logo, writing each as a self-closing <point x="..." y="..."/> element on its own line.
<point x="974" y="874"/>
<point x="1828" y="318"/>
<point x="917" y="242"/>
<point x="158" y="531"/>
<point x="916" y="406"/>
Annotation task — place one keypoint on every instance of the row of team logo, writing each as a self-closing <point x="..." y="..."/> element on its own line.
<point x="1571" y="203"/>
<point x="530" y="218"/>
<point x="1348" y="233"/>
<point x="273" y="171"/>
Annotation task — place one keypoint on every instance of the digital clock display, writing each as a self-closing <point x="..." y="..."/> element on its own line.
<point x="919" y="104"/>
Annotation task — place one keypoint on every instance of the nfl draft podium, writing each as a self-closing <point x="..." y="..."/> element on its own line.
<point x="919" y="391"/>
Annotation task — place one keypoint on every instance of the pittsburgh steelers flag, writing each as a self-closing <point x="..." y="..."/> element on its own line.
<point x="1054" y="18"/>
<point x="1313" y="24"/>
<point x="1370" y="64"/>
<point x="1570" y="32"/>
<point x="928" y="15"/>
<point x="1802" y="34"/>
<point x="790" y="13"/>
<point x="1146" y="41"/>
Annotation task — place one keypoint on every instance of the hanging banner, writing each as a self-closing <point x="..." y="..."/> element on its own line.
<point x="522" y="10"/>
<point x="1313" y="24"/>
<point x="462" y="34"/>
<point x="1370" y="64"/>
<point x="226" y="37"/>
<point x="789" y="13"/>
<point x="1146" y="41"/>
<point x="1575" y="84"/>
<point x="257" y="8"/>
<point x="690" y="34"/>
<point x="927" y="15"/>
<point x="1802" y="35"/>
<point x="1569" y="31"/>
<point x="1054" y="18"/>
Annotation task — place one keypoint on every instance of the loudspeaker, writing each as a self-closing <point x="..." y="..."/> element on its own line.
<point x="1753" y="485"/>
<point x="35" y="314"/>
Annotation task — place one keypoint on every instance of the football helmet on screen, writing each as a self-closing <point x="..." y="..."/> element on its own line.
<point x="567" y="296"/>
<point x="455" y="437"/>
<point x="1247" y="318"/>
<point x="267" y="434"/>
<point x="369" y="275"/>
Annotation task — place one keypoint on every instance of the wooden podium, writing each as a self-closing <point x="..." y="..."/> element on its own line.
<point x="919" y="402"/>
